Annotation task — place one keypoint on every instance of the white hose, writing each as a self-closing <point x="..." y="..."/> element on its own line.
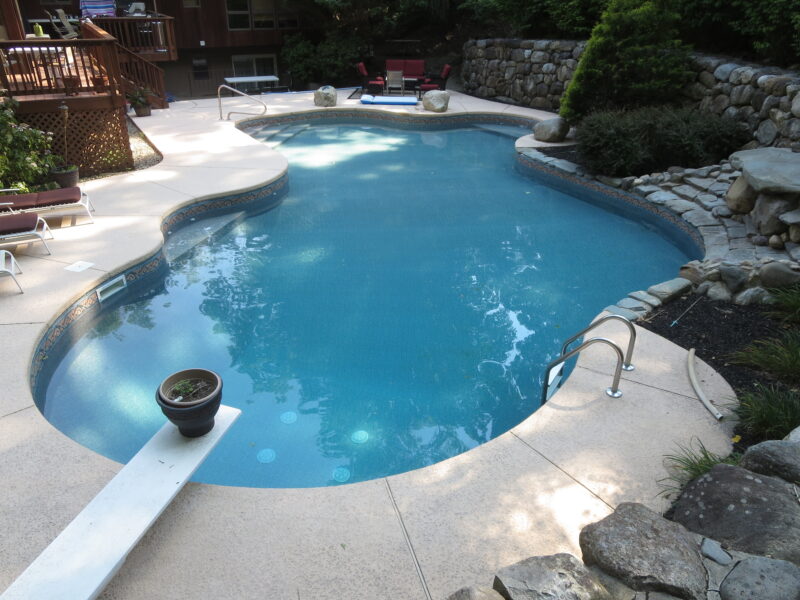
<point x="696" y="387"/>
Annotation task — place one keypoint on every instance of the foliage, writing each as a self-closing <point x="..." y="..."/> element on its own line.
<point x="786" y="303"/>
<point x="688" y="464"/>
<point x="779" y="356"/>
<point x="25" y="157"/>
<point x="140" y="96"/>
<point x="575" y="17"/>
<point x="768" y="412"/>
<point x="768" y="29"/>
<point x="515" y="17"/>
<point x="644" y="140"/>
<point x="634" y="58"/>
<point x="329" y="61"/>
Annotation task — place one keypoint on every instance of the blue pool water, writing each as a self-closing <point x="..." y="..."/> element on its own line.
<point x="396" y="309"/>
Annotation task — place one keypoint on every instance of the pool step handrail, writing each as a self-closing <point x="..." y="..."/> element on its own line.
<point x="84" y="558"/>
<point x="612" y="391"/>
<point x="627" y="365"/>
<point x="236" y="112"/>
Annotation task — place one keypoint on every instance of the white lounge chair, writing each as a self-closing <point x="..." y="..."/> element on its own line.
<point x="9" y="266"/>
<point x="48" y="201"/>
<point x="21" y="228"/>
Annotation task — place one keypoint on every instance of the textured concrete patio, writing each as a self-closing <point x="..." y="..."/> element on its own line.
<point x="421" y="534"/>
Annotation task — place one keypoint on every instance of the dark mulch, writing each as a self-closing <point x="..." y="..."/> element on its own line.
<point x="715" y="330"/>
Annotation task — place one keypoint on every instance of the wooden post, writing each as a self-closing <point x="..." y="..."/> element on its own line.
<point x="12" y="19"/>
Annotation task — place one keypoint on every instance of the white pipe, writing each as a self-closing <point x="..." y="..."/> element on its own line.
<point x="696" y="387"/>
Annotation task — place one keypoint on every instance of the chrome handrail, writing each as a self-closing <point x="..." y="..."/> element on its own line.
<point x="626" y="366"/>
<point x="236" y="112"/>
<point x="613" y="391"/>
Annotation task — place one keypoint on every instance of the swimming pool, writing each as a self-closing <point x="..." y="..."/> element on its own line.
<point x="397" y="308"/>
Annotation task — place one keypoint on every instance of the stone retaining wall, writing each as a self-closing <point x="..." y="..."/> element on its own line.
<point x="535" y="73"/>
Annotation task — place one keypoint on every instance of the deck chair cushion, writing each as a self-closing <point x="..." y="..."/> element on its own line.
<point x="18" y="223"/>
<point x="68" y="195"/>
<point x="18" y="202"/>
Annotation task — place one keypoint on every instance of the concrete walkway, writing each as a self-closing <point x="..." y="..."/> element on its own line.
<point x="421" y="534"/>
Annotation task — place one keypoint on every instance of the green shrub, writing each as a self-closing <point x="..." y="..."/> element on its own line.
<point x="25" y="157"/>
<point x="768" y="412"/>
<point x="329" y="62"/>
<point x="779" y="356"/>
<point x="644" y="140"/>
<point x="688" y="464"/>
<point x="632" y="59"/>
<point x="575" y="18"/>
<point x="786" y="303"/>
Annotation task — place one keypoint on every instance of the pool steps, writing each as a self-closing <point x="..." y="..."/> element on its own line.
<point x="81" y="561"/>
<point x="275" y="136"/>
<point x="198" y="232"/>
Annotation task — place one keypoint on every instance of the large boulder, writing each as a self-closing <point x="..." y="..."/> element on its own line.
<point x="547" y="577"/>
<point x="325" y="96"/>
<point x="772" y="170"/>
<point x="744" y="511"/>
<point x="740" y="198"/>
<point x="760" y="578"/>
<point x="551" y="130"/>
<point x="436" y="101"/>
<point x="646" y="552"/>
<point x="778" y="274"/>
<point x="768" y="210"/>
<point x="775" y="458"/>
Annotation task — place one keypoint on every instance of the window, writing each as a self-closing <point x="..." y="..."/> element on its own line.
<point x="238" y="14"/>
<point x="249" y="65"/>
<point x="199" y="68"/>
<point x="263" y="14"/>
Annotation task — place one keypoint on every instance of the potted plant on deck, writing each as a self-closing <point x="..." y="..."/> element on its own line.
<point x="63" y="173"/>
<point x="190" y="399"/>
<point x="139" y="99"/>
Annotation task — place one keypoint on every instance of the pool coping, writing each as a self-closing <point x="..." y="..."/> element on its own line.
<point x="401" y="532"/>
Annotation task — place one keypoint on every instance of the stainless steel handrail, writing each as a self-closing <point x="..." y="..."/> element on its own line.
<point x="627" y="366"/>
<point x="236" y="112"/>
<point x="613" y="391"/>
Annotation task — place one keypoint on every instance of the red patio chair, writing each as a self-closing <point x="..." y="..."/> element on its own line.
<point x="371" y="85"/>
<point x="435" y="83"/>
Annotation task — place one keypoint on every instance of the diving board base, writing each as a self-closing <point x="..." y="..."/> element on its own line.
<point x="81" y="561"/>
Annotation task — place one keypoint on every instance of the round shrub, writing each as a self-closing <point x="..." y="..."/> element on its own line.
<point x="649" y="139"/>
<point x="634" y="58"/>
<point x="25" y="157"/>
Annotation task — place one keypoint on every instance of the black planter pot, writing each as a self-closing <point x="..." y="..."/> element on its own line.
<point x="65" y="177"/>
<point x="142" y="110"/>
<point x="196" y="417"/>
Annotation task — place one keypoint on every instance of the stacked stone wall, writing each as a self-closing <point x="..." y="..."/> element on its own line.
<point x="535" y="73"/>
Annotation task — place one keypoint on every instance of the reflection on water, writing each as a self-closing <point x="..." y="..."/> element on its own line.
<point x="395" y="310"/>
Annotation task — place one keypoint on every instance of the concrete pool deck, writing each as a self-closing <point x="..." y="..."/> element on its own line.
<point x="421" y="534"/>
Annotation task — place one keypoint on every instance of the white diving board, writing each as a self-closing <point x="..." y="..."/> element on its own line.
<point x="81" y="561"/>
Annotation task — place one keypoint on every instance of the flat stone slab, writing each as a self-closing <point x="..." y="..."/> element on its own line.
<point x="791" y="217"/>
<point x="546" y="577"/>
<point x="774" y="170"/>
<point x="761" y="578"/>
<point x="670" y="289"/>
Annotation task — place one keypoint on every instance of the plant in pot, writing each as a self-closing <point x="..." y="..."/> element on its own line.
<point x="63" y="173"/>
<point x="190" y="399"/>
<point x="139" y="99"/>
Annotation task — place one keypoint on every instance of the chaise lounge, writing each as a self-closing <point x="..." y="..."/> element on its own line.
<point x="9" y="266"/>
<point x="20" y="228"/>
<point x="47" y="201"/>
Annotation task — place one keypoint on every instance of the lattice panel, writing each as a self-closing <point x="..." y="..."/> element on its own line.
<point x="98" y="139"/>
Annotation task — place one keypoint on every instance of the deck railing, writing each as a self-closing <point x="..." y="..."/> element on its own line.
<point x="69" y="67"/>
<point x="152" y="37"/>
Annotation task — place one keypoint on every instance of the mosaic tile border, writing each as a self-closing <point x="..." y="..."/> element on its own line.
<point x="390" y="118"/>
<point x="615" y="194"/>
<point x="89" y="305"/>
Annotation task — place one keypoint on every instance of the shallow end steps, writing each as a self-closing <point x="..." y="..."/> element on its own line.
<point x="81" y="561"/>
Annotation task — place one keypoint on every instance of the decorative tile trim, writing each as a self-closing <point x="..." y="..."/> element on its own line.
<point x="615" y="194"/>
<point x="438" y="121"/>
<point x="89" y="305"/>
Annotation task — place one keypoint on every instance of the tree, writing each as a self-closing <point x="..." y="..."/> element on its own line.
<point x="634" y="58"/>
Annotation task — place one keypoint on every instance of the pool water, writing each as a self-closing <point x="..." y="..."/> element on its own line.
<point x="396" y="309"/>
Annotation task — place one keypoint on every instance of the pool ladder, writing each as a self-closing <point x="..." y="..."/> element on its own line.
<point x="554" y="372"/>
<point x="236" y="112"/>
